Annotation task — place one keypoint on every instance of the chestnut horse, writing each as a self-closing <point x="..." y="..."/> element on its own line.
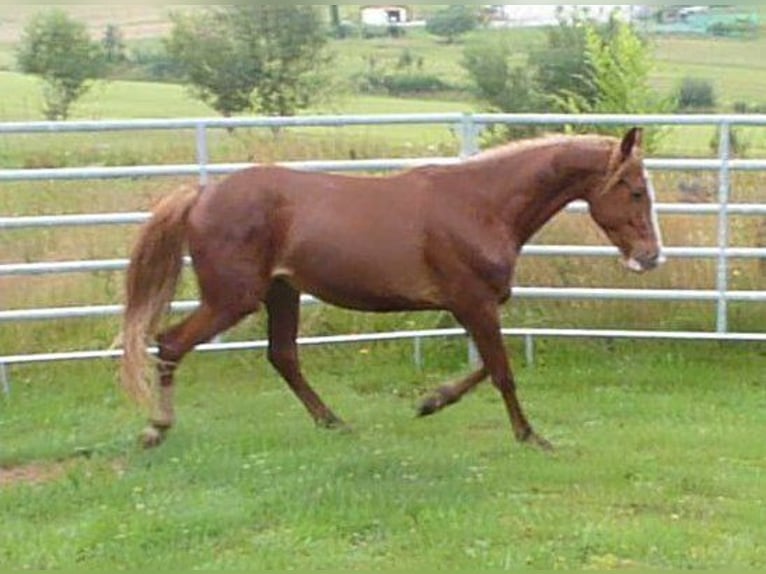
<point x="443" y="238"/>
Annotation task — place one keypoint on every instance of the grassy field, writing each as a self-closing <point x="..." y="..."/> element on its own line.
<point x="660" y="464"/>
<point x="735" y="76"/>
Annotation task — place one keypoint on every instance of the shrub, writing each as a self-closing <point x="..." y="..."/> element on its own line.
<point x="413" y="83"/>
<point x="741" y="107"/>
<point x="696" y="94"/>
<point x="371" y="32"/>
<point x="153" y="63"/>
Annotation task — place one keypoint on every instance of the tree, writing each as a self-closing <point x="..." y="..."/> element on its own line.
<point x="557" y="67"/>
<point x="335" y="15"/>
<point x="113" y="45"/>
<point x="561" y="64"/>
<point x="292" y="45"/>
<point x="585" y="67"/>
<point x="618" y="73"/>
<point x="59" y="50"/>
<point x="218" y="67"/>
<point x="501" y="84"/>
<point x="453" y="21"/>
<point x="238" y="57"/>
<point x="335" y="21"/>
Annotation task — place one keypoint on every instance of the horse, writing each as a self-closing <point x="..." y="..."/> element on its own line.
<point x="428" y="238"/>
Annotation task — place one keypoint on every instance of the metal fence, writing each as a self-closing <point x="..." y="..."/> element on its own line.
<point x="467" y="127"/>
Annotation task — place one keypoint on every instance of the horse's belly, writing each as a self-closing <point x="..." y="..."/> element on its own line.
<point x="377" y="303"/>
<point x="355" y="291"/>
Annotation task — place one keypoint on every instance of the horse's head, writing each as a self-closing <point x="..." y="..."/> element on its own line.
<point x="624" y="206"/>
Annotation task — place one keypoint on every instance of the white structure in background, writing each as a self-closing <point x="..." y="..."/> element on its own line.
<point x="384" y="15"/>
<point x="522" y="15"/>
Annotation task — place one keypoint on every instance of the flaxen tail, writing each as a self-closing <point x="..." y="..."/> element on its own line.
<point x="152" y="277"/>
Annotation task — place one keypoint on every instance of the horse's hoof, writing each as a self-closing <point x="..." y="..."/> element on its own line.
<point x="333" y="423"/>
<point x="151" y="437"/>
<point x="536" y="441"/>
<point x="439" y="399"/>
<point x="430" y="405"/>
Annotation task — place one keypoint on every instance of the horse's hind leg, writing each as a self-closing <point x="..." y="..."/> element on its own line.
<point x="283" y="305"/>
<point x="201" y="326"/>
<point x="451" y="393"/>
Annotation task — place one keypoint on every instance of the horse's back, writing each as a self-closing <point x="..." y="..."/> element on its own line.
<point x="354" y="241"/>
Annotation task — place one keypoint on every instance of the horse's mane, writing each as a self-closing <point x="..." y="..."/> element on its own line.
<point x="511" y="148"/>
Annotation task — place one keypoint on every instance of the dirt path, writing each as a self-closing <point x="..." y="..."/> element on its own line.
<point x="32" y="474"/>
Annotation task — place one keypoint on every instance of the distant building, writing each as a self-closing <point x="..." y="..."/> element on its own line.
<point x="384" y="15"/>
<point x="523" y="15"/>
<point x="714" y="20"/>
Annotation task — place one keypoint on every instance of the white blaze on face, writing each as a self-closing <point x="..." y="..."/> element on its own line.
<point x="632" y="263"/>
<point x="655" y="218"/>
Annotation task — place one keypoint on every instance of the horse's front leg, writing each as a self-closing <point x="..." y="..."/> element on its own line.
<point x="482" y="322"/>
<point x="450" y="393"/>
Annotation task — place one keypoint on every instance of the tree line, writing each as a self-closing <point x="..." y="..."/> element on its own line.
<point x="276" y="60"/>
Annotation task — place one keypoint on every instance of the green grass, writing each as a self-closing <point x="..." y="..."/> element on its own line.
<point x="729" y="64"/>
<point x="106" y="100"/>
<point x="659" y="464"/>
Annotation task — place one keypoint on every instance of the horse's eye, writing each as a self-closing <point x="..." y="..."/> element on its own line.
<point x="636" y="193"/>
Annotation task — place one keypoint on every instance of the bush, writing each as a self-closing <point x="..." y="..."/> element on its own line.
<point x="400" y="84"/>
<point x="413" y="83"/>
<point x="696" y="94"/>
<point x="370" y="32"/>
<point x="153" y="63"/>
<point x="345" y="30"/>
<point x="741" y="107"/>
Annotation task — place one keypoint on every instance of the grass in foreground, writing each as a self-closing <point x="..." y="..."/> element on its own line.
<point x="660" y="463"/>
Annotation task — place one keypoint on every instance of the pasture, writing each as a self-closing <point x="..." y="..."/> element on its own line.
<point x="659" y="464"/>
<point x="660" y="456"/>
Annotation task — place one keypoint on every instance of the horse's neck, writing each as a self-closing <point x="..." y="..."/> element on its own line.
<point x="565" y="175"/>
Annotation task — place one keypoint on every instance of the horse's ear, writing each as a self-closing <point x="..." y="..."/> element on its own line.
<point x="631" y="141"/>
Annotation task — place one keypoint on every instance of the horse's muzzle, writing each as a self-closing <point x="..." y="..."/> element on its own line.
<point x="642" y="264"/>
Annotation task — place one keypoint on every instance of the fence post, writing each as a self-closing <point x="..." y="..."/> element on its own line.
<point x="203" y="156"/>
<point x="529" y="350"/>
<point x="469" y="146"/>
<point x="724" y="188"/>
<point x="417" y="353"/>
<point x="4" y="380"/>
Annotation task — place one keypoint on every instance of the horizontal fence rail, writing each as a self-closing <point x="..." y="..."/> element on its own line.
<point x="466" y="127"/>
<point x="698" y="295"/>
<point x="410" y="336"/>
<point x="372" y="165"/>
<point x="87" y="220"/>
<point x="20" y="269"/>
